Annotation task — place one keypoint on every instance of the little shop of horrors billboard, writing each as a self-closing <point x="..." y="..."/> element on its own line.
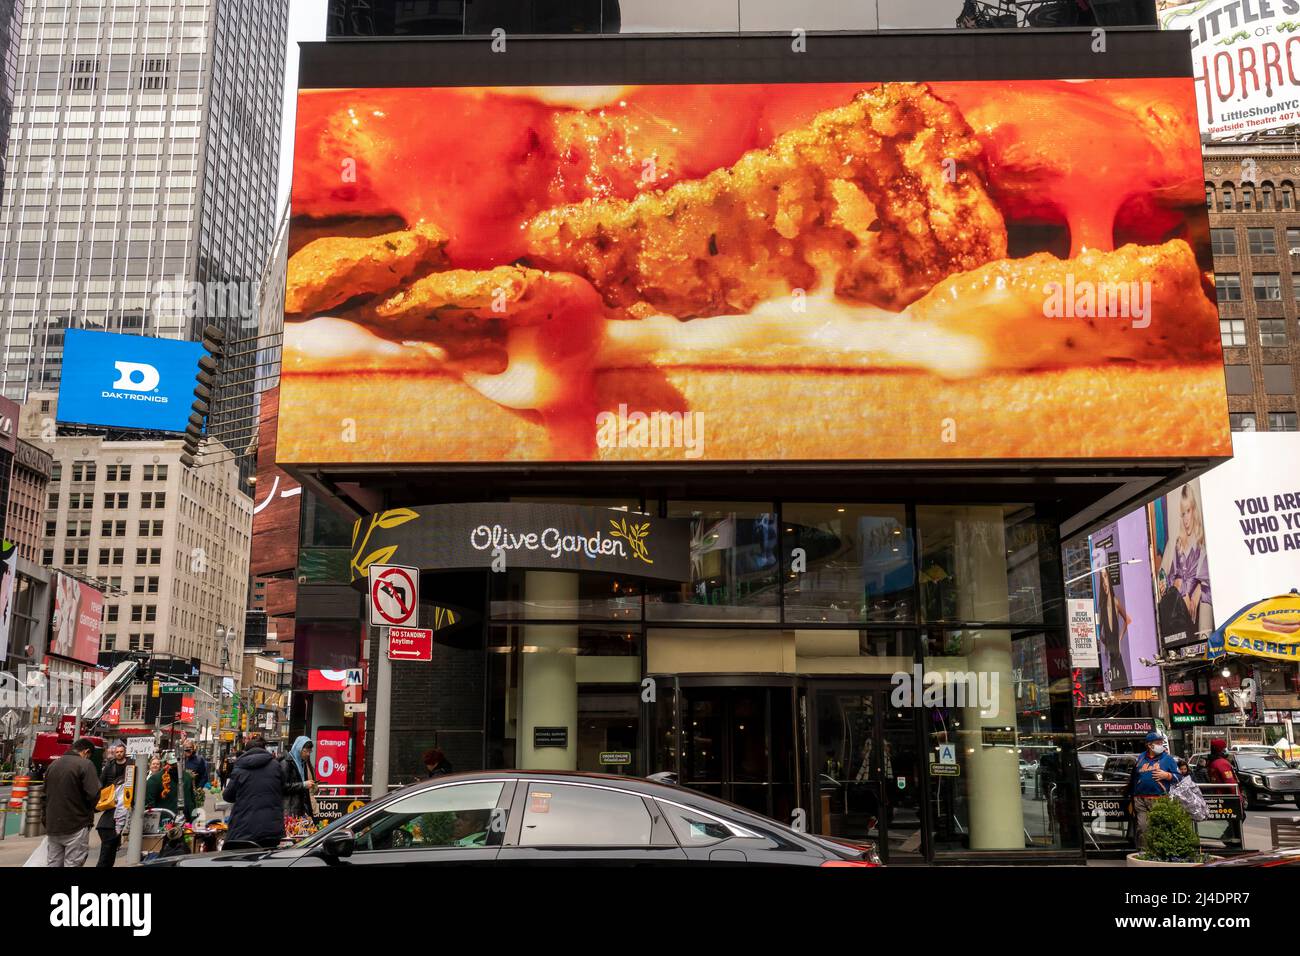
<point x="1246" y="58"/>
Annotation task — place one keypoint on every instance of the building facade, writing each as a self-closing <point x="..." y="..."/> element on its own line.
<point x="1250" y="191"/>
<point x="168" y="545"/>
<point x="141" y="173"/>
<point x="28" y="482"/>
<point x="11" y="22"/>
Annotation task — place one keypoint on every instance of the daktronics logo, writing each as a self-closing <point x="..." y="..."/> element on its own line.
<point x="135" y="378"/>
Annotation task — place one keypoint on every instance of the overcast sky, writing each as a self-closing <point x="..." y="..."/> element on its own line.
<point x="306" y="23"/>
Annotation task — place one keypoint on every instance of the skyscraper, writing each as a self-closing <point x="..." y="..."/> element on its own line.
<point x="11" y="21"/>
<point x="141" y="176"/>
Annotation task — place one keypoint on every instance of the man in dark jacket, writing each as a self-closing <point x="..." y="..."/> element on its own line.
<point x="71" y="792"/>
<point x="196" y="765"/>
<point x="114" y="774"/>
<point x="256" y="790"/>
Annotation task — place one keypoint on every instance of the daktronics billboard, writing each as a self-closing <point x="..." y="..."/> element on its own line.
<point x="77" y="621"/>
<point x="750" y="272"/>
<point x="127" y="381"/>
<point x="1246" y="57"/>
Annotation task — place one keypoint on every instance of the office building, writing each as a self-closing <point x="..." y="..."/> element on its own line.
<point x="141" y="177"/>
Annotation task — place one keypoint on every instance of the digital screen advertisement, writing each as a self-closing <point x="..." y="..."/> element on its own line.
<point x="77" y="621"/>
<point x="1252" y="521"/>
<point x="127" y="381"/>
<point x="1125" y="606"/>
<point x="1180" y="565"/>
<point x="750" y="272"/>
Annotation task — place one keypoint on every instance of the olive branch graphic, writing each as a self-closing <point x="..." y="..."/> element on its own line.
<point x="383" y="519"/>
<point x="635" y="536"/>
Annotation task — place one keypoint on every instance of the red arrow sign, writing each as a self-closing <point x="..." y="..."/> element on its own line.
<point x="410" y="644"/>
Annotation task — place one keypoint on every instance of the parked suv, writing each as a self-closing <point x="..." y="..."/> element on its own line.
<point x="1265" y="778"/>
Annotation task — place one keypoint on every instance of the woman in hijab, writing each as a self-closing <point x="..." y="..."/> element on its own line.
<point x="299" y="781"/>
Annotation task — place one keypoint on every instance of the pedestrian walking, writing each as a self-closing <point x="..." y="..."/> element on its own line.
<point x="197" y="765"/>
<point x="223" y="771"/>
<point x="1154" y="775"/>
<point x="256" y="793"/>
<point x="71" y="793"/>
<point x="113" y="820"/>
<point x="299" y="789"/>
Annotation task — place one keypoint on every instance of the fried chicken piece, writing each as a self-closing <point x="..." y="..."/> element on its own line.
<point x="1139" y="303"/>
<point x="881" y="197"/>
<point x="330" y="271"/>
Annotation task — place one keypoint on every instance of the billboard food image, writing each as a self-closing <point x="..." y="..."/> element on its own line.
<point x="78" y="619"/>
<point x="948" y="270"/>
<point x="1246" y="58"/>
<point x="1180" y="564"/>
<point x="1126" y="613"/>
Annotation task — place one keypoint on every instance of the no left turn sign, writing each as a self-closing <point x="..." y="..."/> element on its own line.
<point x="394" y="595"/>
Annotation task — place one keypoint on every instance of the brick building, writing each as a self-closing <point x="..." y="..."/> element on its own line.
<point x="1250" y="190"/>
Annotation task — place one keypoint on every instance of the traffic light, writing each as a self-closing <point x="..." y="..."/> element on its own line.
<point x="214" y="343"/>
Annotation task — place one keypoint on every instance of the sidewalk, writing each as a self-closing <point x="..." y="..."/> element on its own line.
<point x="14" y="850"/>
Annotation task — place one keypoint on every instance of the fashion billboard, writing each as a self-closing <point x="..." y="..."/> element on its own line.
<point x="77" y="621"/>
<point x="1246" y="57"/>
<point x="919" y="269"/>
<point x="1180" y="566"/>
<point x="1126" y="613"/>
<point x="127" y="381"/>
<point x="1252" y="521"/>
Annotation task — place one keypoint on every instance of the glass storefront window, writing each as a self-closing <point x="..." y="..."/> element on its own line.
<point x="988" y="563"/>
<point x="847" y="563"/>
<point x="602" y="597"/>
<point x="734" y="565"/>
<point x="1003" y="707"/>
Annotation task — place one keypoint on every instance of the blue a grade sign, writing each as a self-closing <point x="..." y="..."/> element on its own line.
<point x="127" y="381"/>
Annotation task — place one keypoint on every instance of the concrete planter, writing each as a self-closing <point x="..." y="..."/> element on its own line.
<point x="1134" y="861"/>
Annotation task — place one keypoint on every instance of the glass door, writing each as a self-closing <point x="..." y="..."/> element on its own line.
<point x="738" y="744"/>
<point x="866" y="771"/>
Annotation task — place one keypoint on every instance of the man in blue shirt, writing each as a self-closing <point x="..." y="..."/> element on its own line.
<point x="1154" y="776"/>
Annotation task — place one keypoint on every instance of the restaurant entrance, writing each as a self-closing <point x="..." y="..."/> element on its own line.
<point x="737" y="742"/>
<point x="830" y="755"/>
<point x="867" y="769"/>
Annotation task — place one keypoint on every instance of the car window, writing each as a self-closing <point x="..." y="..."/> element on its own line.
<point x="459" y="815"/>
<point x="1261" y="762"/>
<point x="693" y="828"/>
<point x="1092" y="761"/>
<point x="560" y="815"/>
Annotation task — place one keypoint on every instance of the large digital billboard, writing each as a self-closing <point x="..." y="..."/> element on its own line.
<point x="77" y="621"/>
<point x="1252" y="521"/>
<point x="1125" y="606"/>
<point x="942" y="270"/>
<point x="127" y="381"/>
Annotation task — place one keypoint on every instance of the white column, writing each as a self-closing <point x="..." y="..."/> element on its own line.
<point x="993" y="773"/>
<point x="548" y="679"/>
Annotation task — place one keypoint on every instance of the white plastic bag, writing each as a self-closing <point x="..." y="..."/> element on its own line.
<point x="1187" y="793"/>
<point x="40" y="856"/>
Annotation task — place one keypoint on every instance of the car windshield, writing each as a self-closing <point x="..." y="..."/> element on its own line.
<point x="1261" y="762"/>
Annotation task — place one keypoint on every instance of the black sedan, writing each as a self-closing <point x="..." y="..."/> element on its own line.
<point x="534" y="818"/>
<point x="1265" y="778"/>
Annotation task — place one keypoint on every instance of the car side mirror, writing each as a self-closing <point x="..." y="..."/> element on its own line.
<point x="338" y="846"/>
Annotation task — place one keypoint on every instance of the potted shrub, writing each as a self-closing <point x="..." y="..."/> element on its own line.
<point x="1171" y="838"/>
